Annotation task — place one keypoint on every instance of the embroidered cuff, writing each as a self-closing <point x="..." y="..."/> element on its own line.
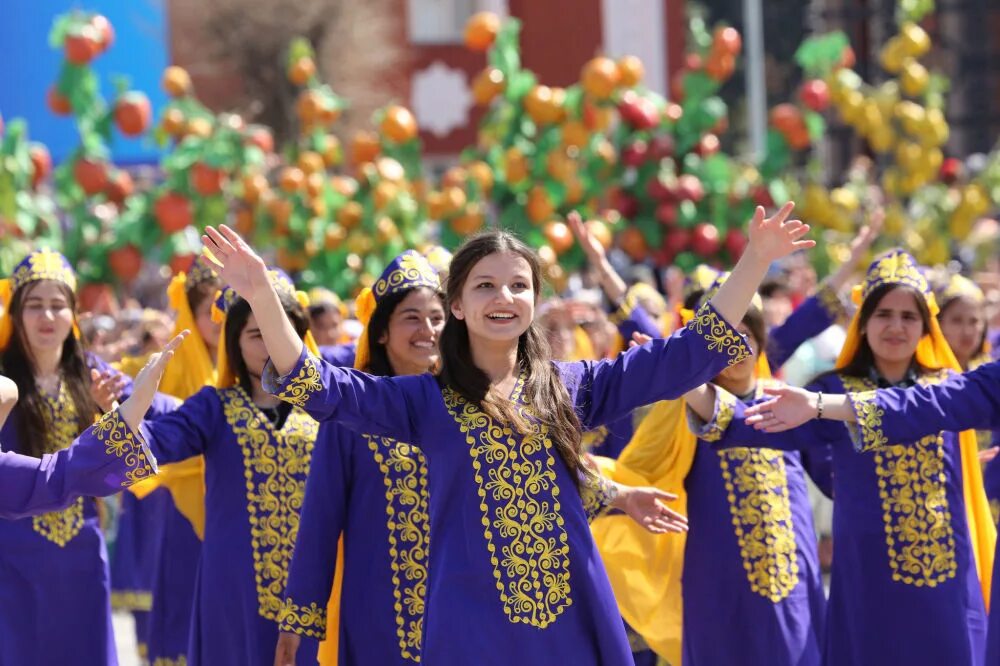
<point x="829" y="301"/>
<point x="714" y="429"/>
<point x="720" y="336"/>
<point x="866" y="434"/>
<point x="118" y="440"/>
<point x="303" y="620"/>
<point x="597" y="493"/>
<point x="298" y="385"/>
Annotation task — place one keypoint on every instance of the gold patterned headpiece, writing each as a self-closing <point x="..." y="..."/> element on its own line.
<point x="894" y="267"/>
<point x="199" y="272"/>
<point x="716" y="284"/>
<point x="43" y="265"/>
<point x="700" y="279"/>
<point x="959" y="286"/>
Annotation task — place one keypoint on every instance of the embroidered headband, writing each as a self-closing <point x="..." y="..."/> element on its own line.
<point x="894" y="267"/>
<point x="959" y="286"/>
<point x="283" y="284"/>
<point x="717" y="283"/>
<point x="439" y="258"/>
<point x="43" y="265"/>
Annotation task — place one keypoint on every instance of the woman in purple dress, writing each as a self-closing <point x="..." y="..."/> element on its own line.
<point x="515" y="576"/>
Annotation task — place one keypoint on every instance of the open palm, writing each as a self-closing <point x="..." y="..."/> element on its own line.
<point x="646" y="507"/>
<point x="236" y="262"/>
<point x="774" y="237"/>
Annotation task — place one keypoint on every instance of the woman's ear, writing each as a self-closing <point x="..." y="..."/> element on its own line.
<point x="456" y="310"/>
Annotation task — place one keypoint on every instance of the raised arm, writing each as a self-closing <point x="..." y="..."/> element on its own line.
<point x="8" y="397"/>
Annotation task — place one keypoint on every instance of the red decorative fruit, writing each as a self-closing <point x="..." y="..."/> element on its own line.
<point x="638" y="111"/>
<point x="41" y="163"/>
<point x="105" y="32"/>
<point x="205" y="180"/>
<point x="58" y="103"/>
<point x="181" y="263"/>
<point x="815" y="94"/>
<point x="173" y="212"/>
<point x="133" y="113"/>
<point x="736" y="243"/>
<point x="120" y="187"/>
<point x="666" y="213"/>
<point x="91" y="175"/>
<point x="81" y="46"/>
<point x="677" y="240"/>
<point x="689" y="188"/>
<point x="705" y="240"/>
<point x="125" y="262"/>
<point x="635" y="153"/>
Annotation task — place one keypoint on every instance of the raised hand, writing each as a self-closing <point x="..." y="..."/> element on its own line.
<point x="646" y="507"/>
<point x="106" y="387"/>
<point x="774" y="237"/>
<point x="789" y="408"/>
<point x="639" y="339"/>
<point x="590" y="245"/>
<point x="236" y="262"/>
<point x="986" y="455"/>
<point x="147" y="381"/>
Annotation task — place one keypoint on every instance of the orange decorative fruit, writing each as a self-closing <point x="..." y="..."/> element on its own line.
<point x="58" y="103"/>
<point x="481" y="31"/>
<point x="133" y="113"/>
<point x="539" y="206"/>
<point x="365" y="147"/>
<point x="176" y="81"/>
<point x="487" y="84"/>
<point x="173" y="212"/>
<point x="558" y="235"/>
<point x="301" y="71"/>
<point x="291" y="179"/>
<point x="630" y="70"/>
<point x="125" y="262"/>
<point x="398" y="124"/>
<point x="599" y="77"/>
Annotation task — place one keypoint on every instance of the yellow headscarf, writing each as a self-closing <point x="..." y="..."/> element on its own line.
<point x="189" y="370"/>
<point x="899" y="268"/>
<point x="407" y="271"/>
<point x="645" y="569"/>
<point x="38" y="265"/>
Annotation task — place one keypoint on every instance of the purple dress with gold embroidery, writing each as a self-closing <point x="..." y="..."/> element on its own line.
<point x="904" y="587"/>
<point x="53" y="566"/>
<point x="372" y="491"/>
<point x="515" y="577"/>
<point x="960" y="402"/>
<point x="753" y="593"/>
<point x="254" y="480"/>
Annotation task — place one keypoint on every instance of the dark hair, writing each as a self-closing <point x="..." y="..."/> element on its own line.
<point x="36" y="431"/>
<point x="378" y="357"/>
<point x="236" y="320"/>
<point x="864" y="358"/>
<point x="692" y="300"/>
<point x="754" y="321"/>
<point x="772" y="288"/>
<point x="981" y="347"/>
<point x="543" y="388"/>
<point x="200" y="291"/>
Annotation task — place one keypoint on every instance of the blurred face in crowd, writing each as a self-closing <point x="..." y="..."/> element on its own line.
<point x="324" y="322"/>
<point x="963" y="323"/>
<point x="46" y="317"/>
<point x="777" y="308"/>
<point x="559" y="329"/>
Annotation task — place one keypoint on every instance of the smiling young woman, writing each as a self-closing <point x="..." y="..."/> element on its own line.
<point x="500" y="428"/>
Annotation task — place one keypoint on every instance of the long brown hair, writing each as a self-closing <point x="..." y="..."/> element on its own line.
<point x="18" y="363"/>
<point x="864" y="358"/>
<point x="543" y="388"/>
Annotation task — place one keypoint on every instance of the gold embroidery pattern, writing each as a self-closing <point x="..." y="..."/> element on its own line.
<point x="757" y="489"/>
<point x="830" y="301"/>
<point x="305" y="620"/>
<point x="404" y="469"/>
<point x="135" y="600"/>
<point x="719" y="334"/>
<point x="275" y="464"/>
<point x="119" y="441"/>
<point x="165" y="661"/>
<point x="915" y="511"/>
<point x="725" y="408"/>
<point x="60" y="527"/>
<point x="594" y="438"/>
<point x="597" y="494"/>
<point x="869" y="420"/>
<point x="519" y="499"/>
<point x="301" y="387"/>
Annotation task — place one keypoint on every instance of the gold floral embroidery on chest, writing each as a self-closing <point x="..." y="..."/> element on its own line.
<point x="915" y="511"/>
<point x="275" y="465"/>
<point x="525" y="533"/>
<point x="404" y="471"/>
<point x="756" y="484"/>
<point x="60" y="527"/>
